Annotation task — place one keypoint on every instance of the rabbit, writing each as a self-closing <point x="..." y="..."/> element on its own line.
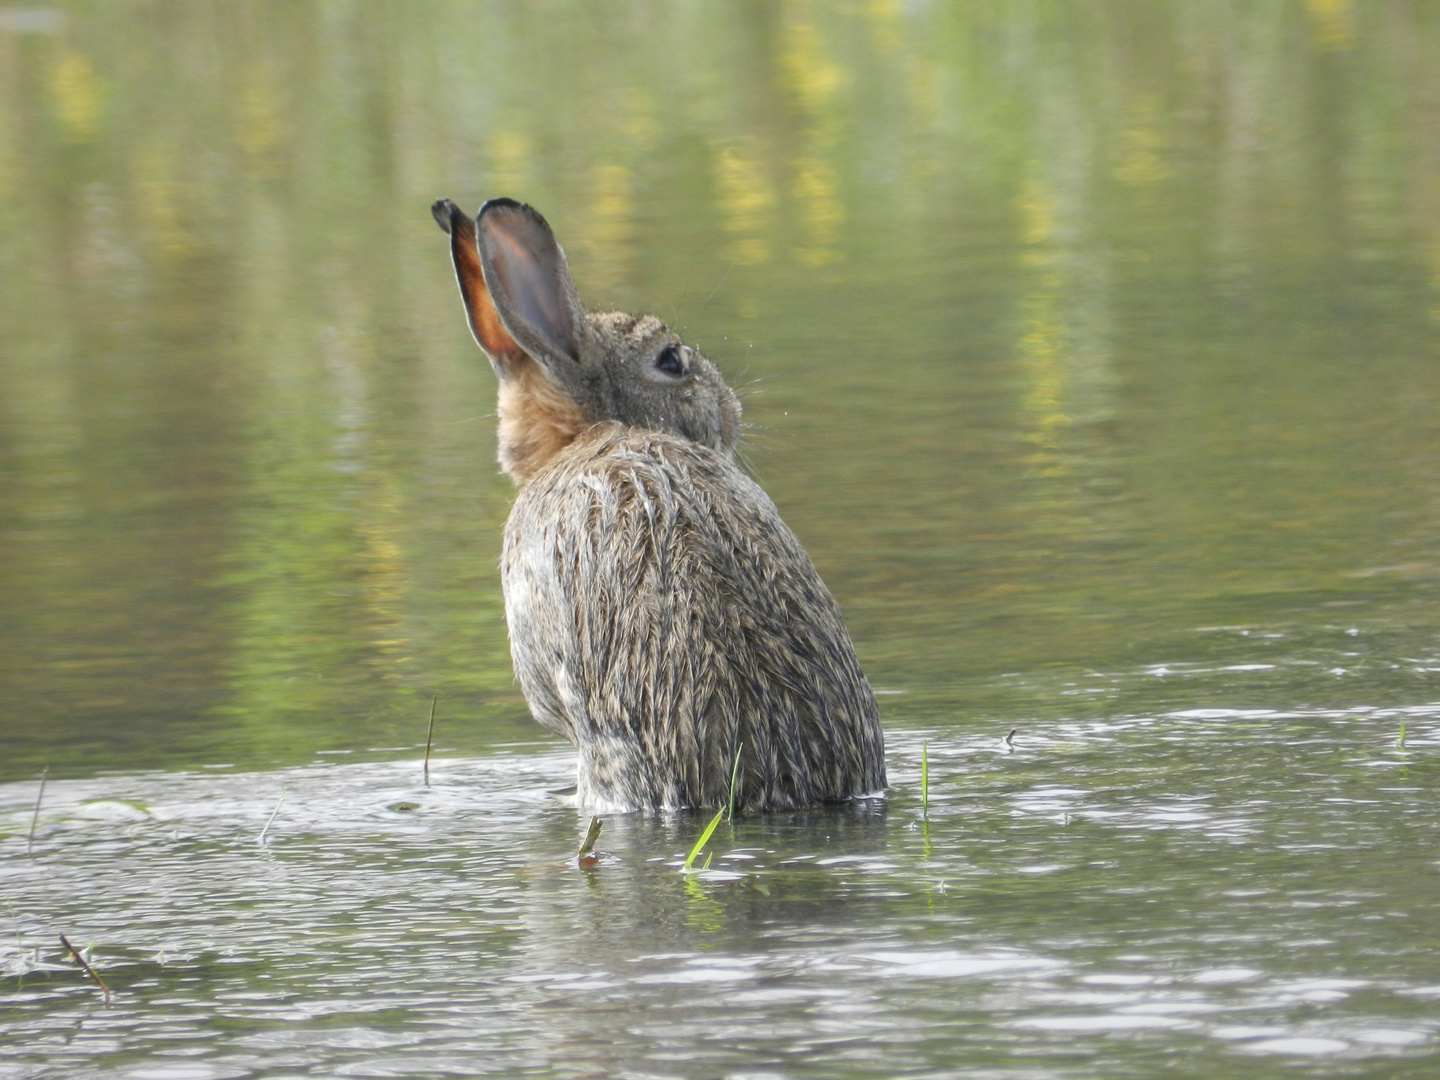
<point x="661" y="615"/>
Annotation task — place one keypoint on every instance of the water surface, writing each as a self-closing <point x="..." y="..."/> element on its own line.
<point x="1091" y="350"/>
<point x="1197" y="892"/>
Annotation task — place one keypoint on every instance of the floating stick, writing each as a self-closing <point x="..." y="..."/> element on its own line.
<point x="35" y="817"/>
<point x="75" y="955"/>
<point x="430" y="738"/>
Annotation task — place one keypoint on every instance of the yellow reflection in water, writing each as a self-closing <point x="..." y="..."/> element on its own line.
<point x="746" y="200"/>
<point x="1142" y="163"/>
<point x="1037" y="220"/>
<point x="703" y="912"/>
<point x="260" y="129"/>
<point x="610" y="236"/>
<point x="885" y="26"/>
<point x="161" y="200"/>
<point x="814" y="80"/>
<point x="640" y="126"/>
<point x="76" y="89"/>
<point x="607" y="234"/>
<point x="510" y="154"/>
<point x="816" y="189"/>
<point x="1042" y="338"/>
<point x="809" y="74"/>
<point x="1332" y="24"/>
<point x="380" y="529"/>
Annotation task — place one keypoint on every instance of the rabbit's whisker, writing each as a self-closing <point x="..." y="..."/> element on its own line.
<point x="680" y="304"/>
<point x="717" y="288"/>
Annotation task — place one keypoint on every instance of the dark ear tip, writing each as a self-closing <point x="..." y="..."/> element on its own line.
<point x="444" y="212"/>
<point x="524" y="209"/>
<point x="502" y="203"/>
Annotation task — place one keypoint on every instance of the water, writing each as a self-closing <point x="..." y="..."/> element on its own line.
<point x="1196" y="892"/>
<point x="1091" y="351"/>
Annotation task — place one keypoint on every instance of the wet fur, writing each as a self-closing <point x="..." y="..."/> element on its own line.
<point x="703" y="626"/>
<point x="661" y="615"/>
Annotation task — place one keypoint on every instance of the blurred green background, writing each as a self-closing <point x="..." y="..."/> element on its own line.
<point x="1079" y="341"/>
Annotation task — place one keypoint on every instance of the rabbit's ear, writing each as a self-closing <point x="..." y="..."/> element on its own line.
<point x="485" y="323"/>
<point x="529" y="281"/>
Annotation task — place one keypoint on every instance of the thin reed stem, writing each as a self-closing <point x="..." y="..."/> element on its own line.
<point x="263" y="832"/>
<point x="430" y="737"/>
<point x="924" y="779"/>
<point x="734" y="776"/>
<point x="35" y="817"/>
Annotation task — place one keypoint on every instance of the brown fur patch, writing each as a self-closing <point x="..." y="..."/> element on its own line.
<point x="536" y="420"/>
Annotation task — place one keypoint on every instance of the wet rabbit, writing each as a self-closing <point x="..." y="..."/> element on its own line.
<point x="661" y="615"/>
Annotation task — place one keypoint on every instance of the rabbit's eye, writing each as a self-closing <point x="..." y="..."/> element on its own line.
<point x="670" y="361"/>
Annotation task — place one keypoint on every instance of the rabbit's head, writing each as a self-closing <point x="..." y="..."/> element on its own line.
<point x="562" y="370"/>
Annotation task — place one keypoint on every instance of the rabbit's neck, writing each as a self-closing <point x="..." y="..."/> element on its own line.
<point x="536" y="421"/>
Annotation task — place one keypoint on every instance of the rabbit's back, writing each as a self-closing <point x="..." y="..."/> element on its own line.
<point x="661" y="616"/>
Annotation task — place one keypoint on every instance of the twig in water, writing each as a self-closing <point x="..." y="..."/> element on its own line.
<point x="1399" y="745"/>
<point x="1009" y="740"/>
<point x="35" y="817"/>
<point x="586" y="854"/>
<point x="430" y="738"/>
<point x="924" y="779"/>
<point x="734" y="775"/>
<point x="75" y="955"/>
<point x="261" y="838"/>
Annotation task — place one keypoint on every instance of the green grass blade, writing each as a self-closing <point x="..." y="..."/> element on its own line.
<point x="924" y="780"/>
<point x="705" y="837"/>
<point x="734" y="774"/>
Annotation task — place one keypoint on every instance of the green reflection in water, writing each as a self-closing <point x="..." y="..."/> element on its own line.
<point x="1069" y="332"/>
